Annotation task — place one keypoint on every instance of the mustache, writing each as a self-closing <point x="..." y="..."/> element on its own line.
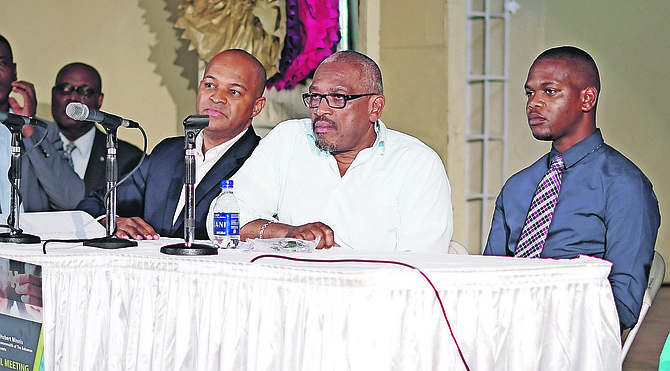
<point x="323" y="119"/>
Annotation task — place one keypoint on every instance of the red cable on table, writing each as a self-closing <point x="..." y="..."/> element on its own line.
<point x="437" y="294"/>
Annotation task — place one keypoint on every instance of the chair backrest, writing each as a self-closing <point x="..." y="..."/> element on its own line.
<point x="457" y="248"/>
<point x="656" y="276"/>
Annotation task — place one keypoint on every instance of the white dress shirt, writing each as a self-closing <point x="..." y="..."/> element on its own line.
<point x="82" y="151"/>
<point x="394" y="196"/>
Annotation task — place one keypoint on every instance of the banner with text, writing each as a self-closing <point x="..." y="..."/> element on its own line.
<point x="20" y="316"/>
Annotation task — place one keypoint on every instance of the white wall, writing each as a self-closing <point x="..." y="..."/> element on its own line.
<point x="131" y="43"/>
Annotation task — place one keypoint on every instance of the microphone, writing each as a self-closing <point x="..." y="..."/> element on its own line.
<point x="15" y="122"/>
<point x="81" y="112"/>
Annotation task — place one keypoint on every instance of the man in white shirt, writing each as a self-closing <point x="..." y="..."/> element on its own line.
<point x="151" y="203"/>
<point x="342" y="176"/>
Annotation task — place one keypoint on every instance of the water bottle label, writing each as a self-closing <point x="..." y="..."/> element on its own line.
<point x="234" y="224"/>
<point x="226" y="224"/>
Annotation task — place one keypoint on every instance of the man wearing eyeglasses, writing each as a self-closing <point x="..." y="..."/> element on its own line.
<point x="342" y="177"/>
<point x="83" y="143"/>
<point x="79" y="142"/>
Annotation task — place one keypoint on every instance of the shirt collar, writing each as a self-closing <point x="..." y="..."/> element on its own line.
<point x="580" y="150"/>
<point x="380" y="141"/>
<point x="215" y="152"/>
<point x="84" y="143"/>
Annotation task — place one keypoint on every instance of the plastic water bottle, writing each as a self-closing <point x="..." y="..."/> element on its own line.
<point x="226" y="223"/>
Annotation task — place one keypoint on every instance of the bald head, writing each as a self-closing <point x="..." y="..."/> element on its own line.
<point x="75" y="82"/>
<point x="81" y="68"/>
<point x="231" y="94"/>
<point x="581" y="65"/>
<point x="260" y="77"/>
<point x="371" y="75"/>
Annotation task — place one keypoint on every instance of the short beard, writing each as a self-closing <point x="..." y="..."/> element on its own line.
<point x="323" y="145"/>
<point x="320" y="141"/>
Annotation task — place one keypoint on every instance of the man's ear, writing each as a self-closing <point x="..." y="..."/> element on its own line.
<point x="258" y="106"/>
<point x="589" y="98"/>
<point x="100" y="100"/>
<point x="376" y="107"/>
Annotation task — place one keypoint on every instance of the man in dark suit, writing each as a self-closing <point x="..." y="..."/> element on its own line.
<point x="79" y="82"/>
<point x="151" y="203"/>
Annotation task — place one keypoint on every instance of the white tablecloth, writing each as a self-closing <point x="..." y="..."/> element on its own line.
<point x="137" y="309"/>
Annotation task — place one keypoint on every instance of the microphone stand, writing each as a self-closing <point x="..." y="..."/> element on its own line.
<point x="192" y="126"/>
<point x="112" y="172"/>
<point x="15" y="234"/>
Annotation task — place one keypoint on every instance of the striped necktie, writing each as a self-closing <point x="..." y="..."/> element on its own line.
<point x="68" y="152"/>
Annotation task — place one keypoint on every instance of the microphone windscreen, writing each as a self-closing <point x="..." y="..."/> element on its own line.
<point x="77" y="111"/>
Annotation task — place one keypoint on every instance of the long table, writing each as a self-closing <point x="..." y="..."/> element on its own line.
<point x="138" y="309"/>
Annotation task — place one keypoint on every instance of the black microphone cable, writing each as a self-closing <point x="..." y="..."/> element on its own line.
<point x="107" y="195"/>
<point x="9" y="172"/>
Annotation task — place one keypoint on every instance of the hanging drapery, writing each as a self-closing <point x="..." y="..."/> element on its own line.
<point x="315" y="35"/>
<point x="257" y="26"/>
<point x="289" y="37"/>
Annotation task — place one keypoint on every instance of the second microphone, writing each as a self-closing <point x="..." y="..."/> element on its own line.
<point x="81" y="112"/>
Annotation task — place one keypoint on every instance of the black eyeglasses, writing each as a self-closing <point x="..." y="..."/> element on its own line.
<point x="65" y="88"/>
<point x="334" y="100"/>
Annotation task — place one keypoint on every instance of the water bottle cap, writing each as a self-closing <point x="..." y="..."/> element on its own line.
<point x="226" y="183"/>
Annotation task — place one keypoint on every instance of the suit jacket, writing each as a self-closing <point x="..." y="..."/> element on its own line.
<point x="48" y="182"/>
<point x="152" y="193"/>
<point x="127" y="156"/>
